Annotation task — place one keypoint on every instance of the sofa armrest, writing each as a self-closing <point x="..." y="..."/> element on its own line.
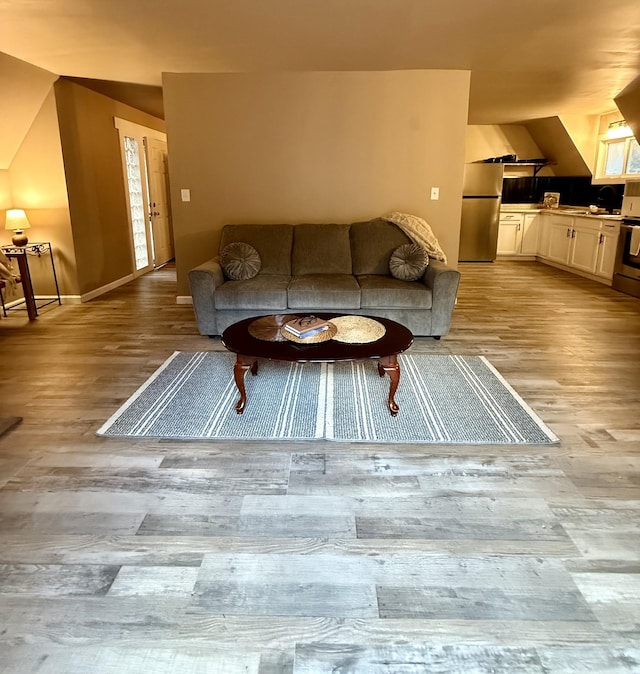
<point x="203" y="281"/>
<point x="443" y="281"/>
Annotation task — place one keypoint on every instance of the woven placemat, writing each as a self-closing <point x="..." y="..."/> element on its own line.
<point x="323" y="336"/>
<point x="357" y="329"/>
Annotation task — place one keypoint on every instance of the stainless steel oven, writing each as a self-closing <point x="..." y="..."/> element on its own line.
<point x="626" y="275"/>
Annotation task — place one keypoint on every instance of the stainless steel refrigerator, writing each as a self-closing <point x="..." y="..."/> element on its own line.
<point x="481" y="199"/>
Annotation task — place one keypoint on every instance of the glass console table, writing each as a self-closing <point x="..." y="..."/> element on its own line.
<point x="25" y="256"/>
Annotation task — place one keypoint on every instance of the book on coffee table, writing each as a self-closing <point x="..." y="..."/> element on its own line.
<point x="306" y="326"/>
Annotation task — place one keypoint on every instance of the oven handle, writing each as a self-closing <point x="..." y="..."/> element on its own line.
<point x="623" y="245"/>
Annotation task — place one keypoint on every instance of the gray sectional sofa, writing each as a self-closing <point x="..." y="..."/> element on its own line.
<point x="315" y="268"/>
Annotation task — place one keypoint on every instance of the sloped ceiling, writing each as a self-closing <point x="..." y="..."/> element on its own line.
<point x="529" y="60"/>
<point x="553" y="139"/>
<point x="144" y="97"/>
<point x="24" y="89"/>
<point x="628" y="103"/>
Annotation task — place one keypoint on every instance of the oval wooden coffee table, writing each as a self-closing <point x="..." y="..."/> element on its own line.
<point x="249" y="350"/>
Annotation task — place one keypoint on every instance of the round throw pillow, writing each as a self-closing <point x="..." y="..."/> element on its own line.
<point x="408" y="262"/>
<point x="240" y="261"/>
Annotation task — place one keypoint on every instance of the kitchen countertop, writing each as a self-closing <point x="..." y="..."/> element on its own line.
<point x="575" y="211"/>
<point x="515" y="208"/>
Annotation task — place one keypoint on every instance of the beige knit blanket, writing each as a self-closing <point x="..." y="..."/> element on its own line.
<point x="6" y="271"/>
<point x="419" y="231"/>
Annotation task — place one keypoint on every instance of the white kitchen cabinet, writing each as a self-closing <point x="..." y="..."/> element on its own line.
<point x="544" y="237"/>
<point x="530" y="233"/>
<point x="518" y="234"/>
<point x="583" y="251"/>
<point x="607" y="247"/>
<point x="586" y="245"/>
<point x="560" y="228"/>
<point x="509" y="233"/>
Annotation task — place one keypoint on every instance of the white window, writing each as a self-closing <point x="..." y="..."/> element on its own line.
<point x="618" y="154"/>
<point x="633" y="157"/>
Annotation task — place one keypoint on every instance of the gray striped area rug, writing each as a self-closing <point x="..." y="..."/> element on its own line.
<point x="442" y="399"/>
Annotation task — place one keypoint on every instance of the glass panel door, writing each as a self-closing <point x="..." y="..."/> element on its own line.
<point x="136" y="202"/>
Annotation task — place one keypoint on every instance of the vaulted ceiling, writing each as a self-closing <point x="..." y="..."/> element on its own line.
<point x="528" y="59"/>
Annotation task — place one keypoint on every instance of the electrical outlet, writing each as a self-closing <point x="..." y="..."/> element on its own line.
<point x="185" y="194"/>
<point x="435" y="193"/>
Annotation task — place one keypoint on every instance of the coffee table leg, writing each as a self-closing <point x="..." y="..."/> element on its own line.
<point x="243" y="363"/>
<point x="389" y="364"/>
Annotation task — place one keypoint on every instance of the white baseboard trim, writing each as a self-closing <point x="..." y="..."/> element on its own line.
<point x="184" y="299"/>
<point x="71" y="299"/>
<point x="517" y="258"/>
<point x="64" y="299"/>
<point x="577" y="272"/>
<point x="12" y="303"/>
<point x="92" y="294"/>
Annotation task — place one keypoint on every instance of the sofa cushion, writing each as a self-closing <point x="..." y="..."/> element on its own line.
<point x="239" y="261"/>
<point x="372" y="243"/>
<point x="273" y="243"/>
<point x="386" y="292"/>
<point x="324" y="291"/>
<point x="321" y="249"/>
<point x="408" y="262"/>
<point x="263" y="292"/>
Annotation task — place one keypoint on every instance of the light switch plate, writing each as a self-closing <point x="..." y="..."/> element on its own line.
<point x="185" y="194"/>
<point x="435" y="193"/>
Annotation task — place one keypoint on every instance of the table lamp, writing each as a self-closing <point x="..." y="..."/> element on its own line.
<point x="17" y="221"/>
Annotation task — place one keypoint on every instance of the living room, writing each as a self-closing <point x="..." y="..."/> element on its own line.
<point x="265" y="148"/>
<point x="290" y="557"/>
<point x="62" y="162"/>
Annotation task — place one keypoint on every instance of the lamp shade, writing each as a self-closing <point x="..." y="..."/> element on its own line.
<point x="16" y="220"/>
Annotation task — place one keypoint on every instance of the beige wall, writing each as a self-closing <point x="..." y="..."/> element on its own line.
<point x="569" y="142"/>
<point x="38" y="186"/>
<point x="5" y="192"/>
<point x="312" y="147"/>
<point x="493" y="140"/>
<point x="608" y="118"/>
<point x="23" y="89"/>
<point x="95" y="182"/>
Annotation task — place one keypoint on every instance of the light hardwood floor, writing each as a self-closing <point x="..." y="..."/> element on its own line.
<point x="322" y="557"/>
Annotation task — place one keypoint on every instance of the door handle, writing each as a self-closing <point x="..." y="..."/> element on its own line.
<point x="568" y="232"/>
<point x="573" y="233"/>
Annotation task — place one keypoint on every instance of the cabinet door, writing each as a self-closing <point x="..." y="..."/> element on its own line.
<point x="509" y="238"/>
<point x="560" y="240"/>
<point x="583" y="253"/>
<point x="544" y="237"/>
<point x="529" y="239"/>
<point x="607" y="253"/>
